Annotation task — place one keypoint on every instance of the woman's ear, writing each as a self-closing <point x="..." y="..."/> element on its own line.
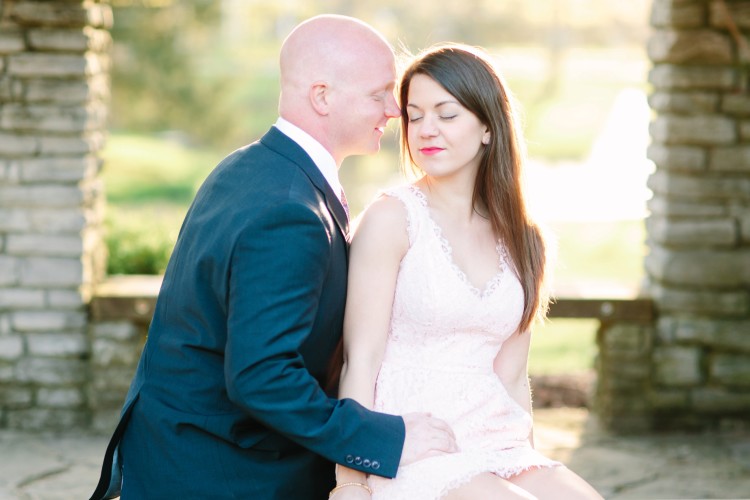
<point x="486" y="137"/>
<point x="319" y="97"/>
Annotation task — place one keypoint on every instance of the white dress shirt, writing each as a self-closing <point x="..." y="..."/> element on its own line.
<point x="320" y="155"/>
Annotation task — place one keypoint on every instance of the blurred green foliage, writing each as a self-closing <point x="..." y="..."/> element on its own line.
<point x="150" y="182"/>
<point x="208" y="69"/>
<point x="157" y="83"/>
<point x="138" y="241"/>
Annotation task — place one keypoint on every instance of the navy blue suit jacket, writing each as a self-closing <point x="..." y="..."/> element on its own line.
<point x="227" y="399"/>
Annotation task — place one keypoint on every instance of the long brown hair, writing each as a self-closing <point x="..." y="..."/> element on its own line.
<point x="468" y="75"/>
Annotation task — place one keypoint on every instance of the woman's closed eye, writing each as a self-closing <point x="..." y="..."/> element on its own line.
<point x="446" y="118"/>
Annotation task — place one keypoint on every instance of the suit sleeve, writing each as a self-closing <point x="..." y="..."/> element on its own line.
<point x="277" y="270"/>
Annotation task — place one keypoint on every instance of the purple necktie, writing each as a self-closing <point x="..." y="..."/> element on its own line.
<point x="344" y="202"/>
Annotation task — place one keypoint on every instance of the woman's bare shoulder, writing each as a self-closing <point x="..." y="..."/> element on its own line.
<point x="384" y="221"/>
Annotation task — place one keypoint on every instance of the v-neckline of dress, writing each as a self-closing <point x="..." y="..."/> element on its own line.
<point x="491" y="285"/>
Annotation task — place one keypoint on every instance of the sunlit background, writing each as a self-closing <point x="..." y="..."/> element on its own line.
<point x="194" y="79"/>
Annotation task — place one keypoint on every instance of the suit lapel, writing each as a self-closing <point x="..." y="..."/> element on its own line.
<point x="276" y="140"/>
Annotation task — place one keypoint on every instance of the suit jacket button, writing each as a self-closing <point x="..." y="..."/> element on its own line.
<point x="349" y="459"/>
<point x="366" y="462"/>
<point x="375" y="465"/>
<point x="358" y="461"/>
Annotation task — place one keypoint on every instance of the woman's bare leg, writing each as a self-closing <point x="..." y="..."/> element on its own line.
<point x="558" y="483"/>
<point x="488" y="486"/>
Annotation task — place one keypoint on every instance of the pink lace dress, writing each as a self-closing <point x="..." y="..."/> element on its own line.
<point x="444" y="336"/>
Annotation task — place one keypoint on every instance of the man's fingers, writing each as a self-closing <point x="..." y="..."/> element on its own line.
<point x="427" y="436"/>
<point x="447" y="445"/>
<point x="436" y="451"/>
<point x="442" y="429"/>
<point x="442" y="425"/>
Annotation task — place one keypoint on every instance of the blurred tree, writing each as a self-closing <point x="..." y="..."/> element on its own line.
<point x="208" y="68"/>
<point x="156" y="84"/>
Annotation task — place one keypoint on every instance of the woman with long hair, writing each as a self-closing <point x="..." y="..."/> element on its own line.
<point x="446" y="278"/>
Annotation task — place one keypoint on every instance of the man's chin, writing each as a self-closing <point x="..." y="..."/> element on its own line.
<point x="370" y="150"/>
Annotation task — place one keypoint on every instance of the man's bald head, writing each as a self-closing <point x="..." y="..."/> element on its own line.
<point x="324" y="48"/>
<point x="337" y="81"/>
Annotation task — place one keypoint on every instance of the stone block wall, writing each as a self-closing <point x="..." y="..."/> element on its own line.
<point x="699" y="229"/>
<point x="54" y="88"/>
<point x="121" y="312"/>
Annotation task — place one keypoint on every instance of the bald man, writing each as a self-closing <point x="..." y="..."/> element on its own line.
<point x="227" y="401"/>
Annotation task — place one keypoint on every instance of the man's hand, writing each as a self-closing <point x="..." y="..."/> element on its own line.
<point x="426" y="436"/>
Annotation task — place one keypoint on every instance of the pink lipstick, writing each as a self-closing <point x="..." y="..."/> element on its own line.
<point x="430" y="151"/>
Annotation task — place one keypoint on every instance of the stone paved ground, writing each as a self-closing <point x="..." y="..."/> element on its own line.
<point x="663" y="466"/>
<point x="668" y="466"/>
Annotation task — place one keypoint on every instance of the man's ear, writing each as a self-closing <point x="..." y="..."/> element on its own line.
<point x="319" y="97"/>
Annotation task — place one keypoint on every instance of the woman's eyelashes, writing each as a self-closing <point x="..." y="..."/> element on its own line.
<point x="413" y="119"/>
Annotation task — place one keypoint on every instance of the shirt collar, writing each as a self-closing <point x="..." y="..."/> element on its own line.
<point x="320" y="155"/>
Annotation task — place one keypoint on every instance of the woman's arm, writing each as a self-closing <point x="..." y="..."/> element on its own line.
<point x="511" y="365"/>
<point x="379" y="244"/>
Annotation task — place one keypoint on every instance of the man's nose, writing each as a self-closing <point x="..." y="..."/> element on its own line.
<point x="391" y="108"/>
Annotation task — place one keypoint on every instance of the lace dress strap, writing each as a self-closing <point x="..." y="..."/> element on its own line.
<point x="414" y="202"/>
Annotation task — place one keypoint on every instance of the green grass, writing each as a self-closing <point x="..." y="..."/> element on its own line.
<point x="140" y="169"/>
<point x="563" y="346"/>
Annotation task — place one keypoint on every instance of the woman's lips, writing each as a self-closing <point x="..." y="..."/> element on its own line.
<point x="430" y="151"/>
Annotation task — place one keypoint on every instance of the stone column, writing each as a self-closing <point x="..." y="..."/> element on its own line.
<point x="54" y="87"/>
<point x="699" y="228"/>
<point x="623" y="369"/>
